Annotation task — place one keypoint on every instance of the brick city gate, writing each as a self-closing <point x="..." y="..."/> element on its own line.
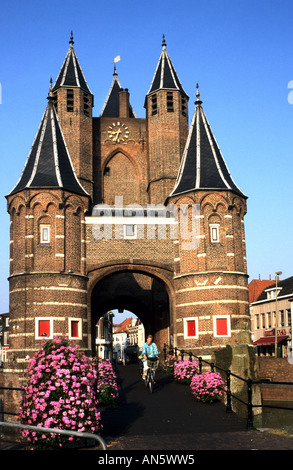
<point x="145" y="291"/>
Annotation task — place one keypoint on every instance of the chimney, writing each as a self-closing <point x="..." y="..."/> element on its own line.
<point x="124" y="103"/>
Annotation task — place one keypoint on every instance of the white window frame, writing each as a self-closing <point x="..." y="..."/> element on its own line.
<point x="43" y="227"/>
<point x="79" y="320"/>
<point x="5" y="338"/>
<point x="37" y="320"/>
<point x="185" y="329"/>
<point x="134" y="231"/>
<point x="216" y="228"/>
<point x="228" y="318"/>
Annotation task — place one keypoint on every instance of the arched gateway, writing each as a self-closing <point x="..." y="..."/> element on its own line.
<point x="117" y="210"/>
<point x="146" y="291"/>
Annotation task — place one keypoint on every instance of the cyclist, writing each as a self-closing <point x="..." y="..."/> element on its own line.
<point x="149" y="350"/>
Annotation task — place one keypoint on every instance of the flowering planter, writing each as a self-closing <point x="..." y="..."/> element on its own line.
<point x="184" y="370"/>
<point x="59" y="392"/>
<point x="208" y="387"/>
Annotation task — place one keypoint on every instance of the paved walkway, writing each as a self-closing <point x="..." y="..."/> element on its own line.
<point x="171" y="419"/>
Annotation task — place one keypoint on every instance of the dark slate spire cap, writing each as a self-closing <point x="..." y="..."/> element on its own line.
<point x="165" y="77"/>
<point x="49" y="165"/>
<point x="203" y="166"/>
<point x="71" y="74"/>
<point x="111" y="105"/>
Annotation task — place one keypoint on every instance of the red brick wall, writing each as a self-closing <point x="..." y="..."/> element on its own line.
<point x="126" y="161"/>
<point x="167" y="133"/>
<point x="78" y="132"/>
<point x="277" y="370"/>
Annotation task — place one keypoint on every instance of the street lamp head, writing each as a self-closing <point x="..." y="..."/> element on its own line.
<point x="278" y="273"/>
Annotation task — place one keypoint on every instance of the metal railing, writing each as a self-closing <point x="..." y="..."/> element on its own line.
<point x="229" y="395"/>
<point x="47" y="430"/>
<point x="85" y="435"/>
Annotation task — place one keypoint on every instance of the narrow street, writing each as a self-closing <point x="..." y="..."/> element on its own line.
<point x="171" y="419"/>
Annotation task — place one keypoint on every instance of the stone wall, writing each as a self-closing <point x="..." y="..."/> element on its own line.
<point x="276" y="370"/>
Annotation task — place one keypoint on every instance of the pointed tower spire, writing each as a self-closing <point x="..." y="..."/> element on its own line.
<point x="111" y="105"/>
<point x="71" y="74"/>
<point x="165" y="77"/>
<point x="203" y="165"/>
<point x="49" y="165"/>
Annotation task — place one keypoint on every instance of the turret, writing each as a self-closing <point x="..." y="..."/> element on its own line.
<point x="210" y="258"/>
<point x="47" y="283"/>
<point x="74" y="102"/>
<point x="167" y="127"/>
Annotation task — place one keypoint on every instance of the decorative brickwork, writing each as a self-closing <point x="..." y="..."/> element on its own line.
<point x="70" y="263"/>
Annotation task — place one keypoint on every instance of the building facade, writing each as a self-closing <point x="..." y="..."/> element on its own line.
<point x="122" y="212"/>
<point x="271" y="333"/>
<point x="4" y="336"/>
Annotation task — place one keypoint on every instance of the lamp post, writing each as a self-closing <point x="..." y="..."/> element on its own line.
<point x="276" y="315"/>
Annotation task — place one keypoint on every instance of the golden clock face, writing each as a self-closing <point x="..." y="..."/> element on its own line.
<point x="118" y="132"/>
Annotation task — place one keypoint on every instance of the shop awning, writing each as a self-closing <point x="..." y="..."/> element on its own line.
<point x="269" y="340"/>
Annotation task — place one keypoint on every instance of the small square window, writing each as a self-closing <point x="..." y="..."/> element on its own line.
<point x="45" y="233"/>
<point x="222" y="325"/>
<point x="107" y="171"/>
<point x="190" y="328"/>
<point x="129" y="231"/>
<point x="214" y="231"/>
<point x="44" y="328"/>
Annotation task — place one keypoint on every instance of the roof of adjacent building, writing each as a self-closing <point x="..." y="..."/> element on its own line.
<point x="71" y="74"/>
<point x="202" y="166"/>
<point x="123" y="326"/>
<point x="165" y="77"/>
<point x="286" y="286"/>
<point x="256" y="286"/>
<point x="111" y="105"/>
<point x="49" y="165"/>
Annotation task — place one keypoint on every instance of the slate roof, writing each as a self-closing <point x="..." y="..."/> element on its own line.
<point x="165" y="77"/>
<point x="111" y="105"/>
<point x="286" y="286"/>
<point x="202" y="165"/>
<point x="71" y="74"/>
<point x="49" y="165"/>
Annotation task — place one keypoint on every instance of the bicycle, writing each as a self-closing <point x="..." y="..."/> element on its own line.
<point x="151" y="372"/>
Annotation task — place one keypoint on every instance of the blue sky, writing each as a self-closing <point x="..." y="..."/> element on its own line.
<point x="239" y="51"/>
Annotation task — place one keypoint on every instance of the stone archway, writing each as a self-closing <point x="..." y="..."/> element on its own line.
<point x="141" y="291"/>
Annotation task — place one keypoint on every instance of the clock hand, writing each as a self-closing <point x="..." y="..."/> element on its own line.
<point x="117" y="134"/>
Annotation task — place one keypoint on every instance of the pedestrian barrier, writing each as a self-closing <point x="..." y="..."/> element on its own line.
<point x="249" y="383"/>
<point x="85" y="435"/>
<point x="47" y="430"/>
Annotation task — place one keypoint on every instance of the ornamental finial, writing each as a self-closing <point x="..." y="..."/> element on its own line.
<point x="164" y="41"/>
<point x="71" y="39"/>
<point x="50" y="94"/>
<point x="198" y="101"/>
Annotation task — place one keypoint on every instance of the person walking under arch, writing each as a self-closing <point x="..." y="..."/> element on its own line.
<point x="149" y="350"/>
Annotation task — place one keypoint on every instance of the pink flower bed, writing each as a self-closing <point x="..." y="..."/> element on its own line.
<point x="107" y="388"/>
<point x="59" y="393"/>
<point x="184" y="370"/>
<point x="208" y="386"/>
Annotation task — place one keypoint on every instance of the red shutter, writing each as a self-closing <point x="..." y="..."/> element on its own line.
<point x="222" y="326"/>
<point x="44" y="328"/>
<point x="191" y="328"/>
<point x="74" y="329"/>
